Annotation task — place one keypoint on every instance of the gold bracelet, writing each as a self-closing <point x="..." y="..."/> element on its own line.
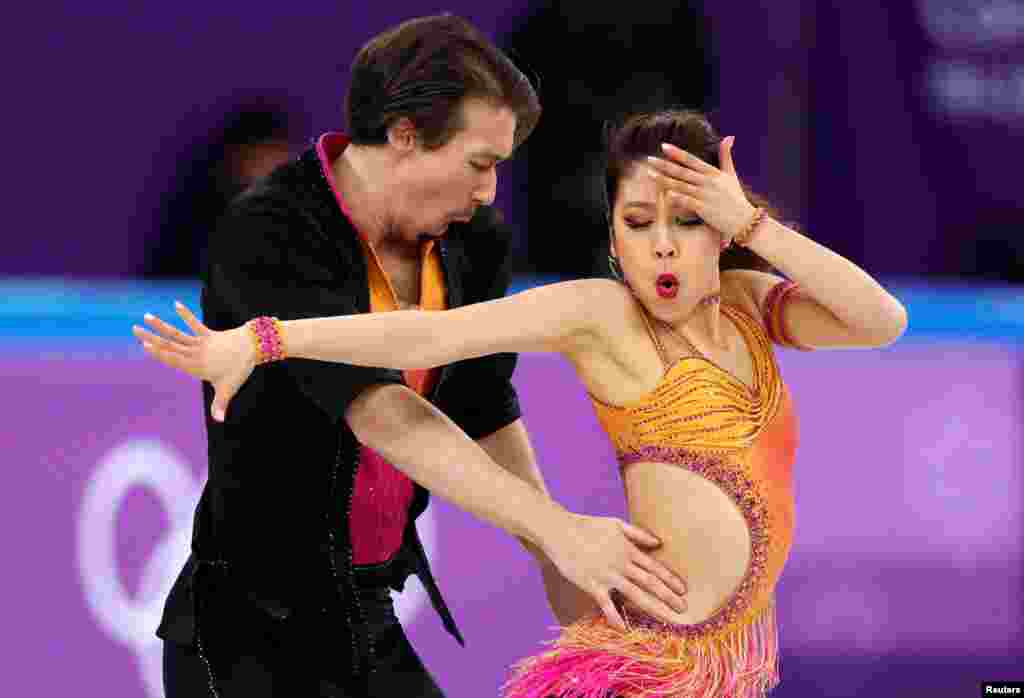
<point x="745" y="235"/>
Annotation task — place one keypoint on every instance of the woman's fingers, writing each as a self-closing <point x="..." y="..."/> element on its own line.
<point x="222" y="398"/>
<point x="191" y="320"/>
<point x="169" y="331"/>
<point x="691" y="161"/>
<point x="162" y="343"/>
<point x="675" y="172"/>
<point x="692" y="203"/>
<point x="168" y="358"/>
<point x="725" y="155"/>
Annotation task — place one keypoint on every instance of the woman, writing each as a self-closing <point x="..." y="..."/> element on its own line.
<point x="677" y="359"/>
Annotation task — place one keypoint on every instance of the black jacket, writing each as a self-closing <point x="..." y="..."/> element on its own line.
<point x="272" y="524"/>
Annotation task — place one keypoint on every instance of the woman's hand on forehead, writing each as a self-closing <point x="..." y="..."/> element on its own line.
<point x="712" y="194"/>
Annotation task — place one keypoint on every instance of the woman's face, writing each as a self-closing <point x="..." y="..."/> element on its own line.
<point x="668" y="255"/>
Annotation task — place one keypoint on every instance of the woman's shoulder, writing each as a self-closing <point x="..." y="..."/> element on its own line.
<point x="612" y="306"/>
<point x="602" y="290"/>
<point x="603" y="298"/>
<point x="738" y="290"/>
<point x="616" y="328"/>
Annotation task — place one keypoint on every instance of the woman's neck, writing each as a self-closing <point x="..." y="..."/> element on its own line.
<point x="703" y="326"/>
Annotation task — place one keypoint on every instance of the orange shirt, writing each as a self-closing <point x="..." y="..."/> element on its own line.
<point x="382" y="494"/>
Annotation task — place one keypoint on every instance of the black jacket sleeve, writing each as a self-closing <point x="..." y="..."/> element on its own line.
<point x="271" y="259"/>
<point x="479" y="395"/>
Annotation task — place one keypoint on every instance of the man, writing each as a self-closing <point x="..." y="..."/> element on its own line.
<point x="318" y="471"/>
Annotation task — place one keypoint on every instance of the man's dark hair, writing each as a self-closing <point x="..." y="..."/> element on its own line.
<point x="422" y="70"/>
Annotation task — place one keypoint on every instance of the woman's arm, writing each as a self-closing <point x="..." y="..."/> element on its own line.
<point x="838" y="303"/>
<point x="554" y="318"/>
<point x="564" y="318"/>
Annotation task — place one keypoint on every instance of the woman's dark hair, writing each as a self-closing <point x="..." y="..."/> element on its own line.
<point x="642" y="135"/>
<point x="422" y="70"/>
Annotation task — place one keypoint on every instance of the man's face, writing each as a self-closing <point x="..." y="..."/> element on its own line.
<point x="436" y="188"/>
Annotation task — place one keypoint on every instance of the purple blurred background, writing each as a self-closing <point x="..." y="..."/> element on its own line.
<point x="908" y="550"/>
<point x="891" y="133"/>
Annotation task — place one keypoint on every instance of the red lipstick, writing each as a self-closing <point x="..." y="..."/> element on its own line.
<point x="667" y="285"/>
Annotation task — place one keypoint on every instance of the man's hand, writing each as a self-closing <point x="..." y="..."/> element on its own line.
<point x="601" y="555"/>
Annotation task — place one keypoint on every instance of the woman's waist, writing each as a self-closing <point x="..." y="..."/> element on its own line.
<point x="716" y="548"/>
<point x="737" y="617"/>
<point x="723" y="541"/>
<point x="744" y="581"/>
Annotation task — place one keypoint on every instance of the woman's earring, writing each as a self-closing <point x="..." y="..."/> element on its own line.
<point x="613" y="265"/>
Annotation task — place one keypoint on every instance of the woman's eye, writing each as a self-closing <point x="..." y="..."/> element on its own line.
<point x="687" y="222"/>
<point x="636" y="224"/>
<point x="480" y="168"/>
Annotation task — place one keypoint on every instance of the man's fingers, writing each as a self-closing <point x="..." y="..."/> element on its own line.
<point x="662" y="572"/>
<point x="169" y="331"/>
<point x="640" y="536"/>
<point x="654" y="585"/>
<point x="604" y="600"/>
<point x="190" y="319"/>
<point x="651" y="605"/>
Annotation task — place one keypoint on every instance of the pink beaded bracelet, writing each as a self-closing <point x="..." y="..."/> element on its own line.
<point x="268" y="337"/>
<point x="774" y="321"/>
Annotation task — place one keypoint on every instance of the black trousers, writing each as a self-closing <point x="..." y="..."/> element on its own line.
<point x="261" y="668"/>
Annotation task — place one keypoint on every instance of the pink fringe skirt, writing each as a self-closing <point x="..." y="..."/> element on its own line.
<point x="591" y="659"/>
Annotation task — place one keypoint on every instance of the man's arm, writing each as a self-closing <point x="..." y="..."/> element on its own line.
<point x="597" y="554"/>
<point x="264" y="261"/>
<point x="510" y="448"/>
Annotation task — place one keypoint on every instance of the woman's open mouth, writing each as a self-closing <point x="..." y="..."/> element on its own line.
<point x="667" y="285"/>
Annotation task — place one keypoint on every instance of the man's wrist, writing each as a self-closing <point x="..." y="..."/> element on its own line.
<point x="546" y="528"/>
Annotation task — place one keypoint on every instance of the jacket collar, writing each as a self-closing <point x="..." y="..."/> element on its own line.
<point x="322" y="197"/>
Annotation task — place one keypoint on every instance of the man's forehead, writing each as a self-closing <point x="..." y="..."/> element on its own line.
<point x="490" y="129"/>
